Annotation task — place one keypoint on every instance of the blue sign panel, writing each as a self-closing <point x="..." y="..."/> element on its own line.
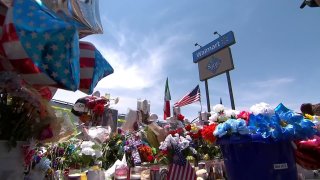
<point x="214" y="46"/>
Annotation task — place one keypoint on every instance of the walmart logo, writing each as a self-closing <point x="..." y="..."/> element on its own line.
<point x="214" y="64"/>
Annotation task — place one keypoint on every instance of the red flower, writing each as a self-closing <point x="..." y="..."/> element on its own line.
<point x="188" y="127"/>
<point x="98" y="109"/>
<point x="180" y="131"/>
<point x="207" y="132"/>
<point x="150" y="158"/>
<point x="194" y="135"/>
<point x="173" y="132"/>
<point x="244" y="115"/>
<point x="180" y="117"/>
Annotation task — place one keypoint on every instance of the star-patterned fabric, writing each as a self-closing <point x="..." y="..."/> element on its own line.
<point x="43" y="48"/>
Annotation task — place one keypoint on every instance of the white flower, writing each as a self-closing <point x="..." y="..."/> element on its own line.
<point x="98" y="153"/>
<point x="214" y="116"/>
<point x="166" y="143"/>
<point x="86" y="144"/>
<point x="88" y="151"/>
<point x="231" y="113"/>
<point x="218" y="108"/>
<point x="183" y="143"/>
<point x="262" y="108"/>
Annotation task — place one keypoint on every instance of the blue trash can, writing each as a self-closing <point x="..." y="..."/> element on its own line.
<point x="256" y="158"/>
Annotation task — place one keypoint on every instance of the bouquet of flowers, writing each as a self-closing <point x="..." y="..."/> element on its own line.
<point x="24" y="115"/>
<point x="90" y="109"/>
<point x="203" y="141"/>
<point x="280" y="123"/>
<point x="112" y="150"/>
<point x="175" y="145"/>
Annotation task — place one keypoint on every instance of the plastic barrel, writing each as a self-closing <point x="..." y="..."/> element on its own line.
<point x="253" y="158"/>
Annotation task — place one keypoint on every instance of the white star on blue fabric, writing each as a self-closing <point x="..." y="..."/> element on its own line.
<point x="43" y="36"/>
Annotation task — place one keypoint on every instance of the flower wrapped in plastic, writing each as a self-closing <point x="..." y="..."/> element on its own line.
<point x="231" y="126"/>
<point x="283" y="125"/>
<point x="23" y="113"/>
<point x="221" y="114"/>
<point x="177" y="143"/>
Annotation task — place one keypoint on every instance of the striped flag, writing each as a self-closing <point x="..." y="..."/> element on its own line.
<point x="190" y="98"/>
<point x="43" y="49"/>
<point x="167" y="98"/>
<point x="93" y="67"/>
<point x="180" y="168"/>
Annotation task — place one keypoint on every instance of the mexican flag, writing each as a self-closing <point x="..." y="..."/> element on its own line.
<point x="167" y="98"/>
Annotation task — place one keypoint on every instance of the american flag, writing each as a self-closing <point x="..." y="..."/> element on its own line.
<point x="42" y="48"/>
<point x="192" y="97"/>
<point x="93" y="67"/>
<point x="180" y="168"/>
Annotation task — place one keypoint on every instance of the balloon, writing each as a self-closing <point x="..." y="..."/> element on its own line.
<point x="41" y="47"/>
<point x="93" y="67"/>
<point x="84" y="12"/>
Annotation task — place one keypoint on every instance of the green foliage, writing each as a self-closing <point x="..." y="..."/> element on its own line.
<point x="112" y="151"/>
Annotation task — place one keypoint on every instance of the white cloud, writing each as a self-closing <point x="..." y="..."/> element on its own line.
<point x="273" y="82"/>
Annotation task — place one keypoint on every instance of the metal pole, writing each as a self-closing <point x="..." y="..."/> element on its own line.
<point x="230" y="91"/>
<point x="207" y="94"/>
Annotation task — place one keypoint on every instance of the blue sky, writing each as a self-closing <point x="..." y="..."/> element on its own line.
<point x="276" y="55"/>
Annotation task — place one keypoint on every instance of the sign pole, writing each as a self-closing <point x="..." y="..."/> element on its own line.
<point x="230" y="90"/>
<point x="207" y="94"/>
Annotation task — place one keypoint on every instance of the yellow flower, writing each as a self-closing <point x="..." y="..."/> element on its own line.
<point x="194" y="128"/>
<point x="308" y="116"/>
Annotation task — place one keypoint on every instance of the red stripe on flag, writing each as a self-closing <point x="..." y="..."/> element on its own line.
<point x="25" y="66"/>
<point x="9" y="33"/>
<point x="177" y="172"/>
<point x="86" y="45"/>
<point x="85" y="83"/>
<point x="87" y="62"/>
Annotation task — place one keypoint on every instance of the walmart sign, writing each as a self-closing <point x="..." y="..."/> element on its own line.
<point x="214" y="46"/>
